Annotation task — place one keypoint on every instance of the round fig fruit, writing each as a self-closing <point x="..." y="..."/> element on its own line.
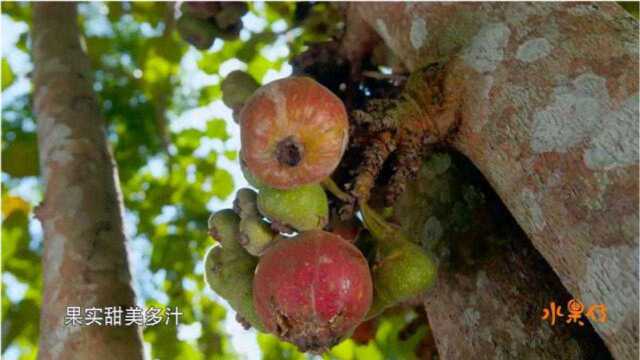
<point x="255" y="235"/>
<point x="229" y="273"/>
<point x="246" y="203"/>
<point x="302" y="208"/>
<point x="401" y="269"/>
<point x="293" y="132"/>
<point x="230" y="13"/>
<point x="224" y="228"/>
<point x="200" y="9"/>
<point x="312" y="290"/>
<point x="198" y="32"/>
<point x="237" y="87"/>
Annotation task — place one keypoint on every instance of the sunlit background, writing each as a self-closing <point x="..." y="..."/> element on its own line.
<point x="148" y="284"/>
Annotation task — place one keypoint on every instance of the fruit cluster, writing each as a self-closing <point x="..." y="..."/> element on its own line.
<point x="202" y="22"/>
<point x="285" y="261"/>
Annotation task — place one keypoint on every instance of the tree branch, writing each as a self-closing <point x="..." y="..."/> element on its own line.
<point x="548" y="108"/>
<point x="492" y="285"/>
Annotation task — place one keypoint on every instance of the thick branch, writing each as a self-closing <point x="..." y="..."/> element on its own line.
<point x="549" y="114"/>
<point x="492" y="284"/>
<point x="85" y="260"/>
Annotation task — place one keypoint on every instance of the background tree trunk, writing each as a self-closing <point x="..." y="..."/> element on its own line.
<point x="549" y="114"/>
<point x="85" y="259"/>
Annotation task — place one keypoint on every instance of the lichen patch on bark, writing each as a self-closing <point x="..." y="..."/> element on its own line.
<point x="54" y="256"/>
<point x="59" y="337"/>
<point x="533" y="50"/>
<point x="576" y="112"/>
<point x="616" y="143"/>
<point x="418" y="33"/>
<point x="486" y="50"/>
<point x="54" y="148"/>
<point x="532" y="206"/>
<point x="612" y="270"/>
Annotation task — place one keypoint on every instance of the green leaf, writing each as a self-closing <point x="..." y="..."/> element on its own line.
<point x="157" y="69"/>
<point x="19" y="11"/>
<point x="211" y="61"/>
<point x="231" y="155"/>
<point x="217" y="129"/>
<point x="149" y="11"/>
<point x="187" y="141"/>
<point x="209" y="94"/>
<point x="222" y="183"/>
<point x="20" y="158"/>
<point x="273" y="349"/>
<point x="259" y="66"/>
<point x="251" y="47"/>
<point x="7" y="74"/>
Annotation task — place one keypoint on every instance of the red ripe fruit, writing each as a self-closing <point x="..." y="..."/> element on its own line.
<point x="294" y="132"/>
<point x="347" y="229"/>
<point x="312" y="290"/>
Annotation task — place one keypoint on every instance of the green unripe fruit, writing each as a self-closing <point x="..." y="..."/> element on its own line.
<point x="198" y="32"/>
<point x="224" y="227"/>
<point x="302" y="208"/>
<point x="230" y="14"/>
<point x="237" y="87"/>
<point x="401" y="269"/>
<point x="246" y="203"/>
<point x="230" y="274"/>
<point x="255" y="235"/>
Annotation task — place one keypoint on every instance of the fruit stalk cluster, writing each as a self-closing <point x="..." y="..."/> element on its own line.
<point x="285" y="261"/>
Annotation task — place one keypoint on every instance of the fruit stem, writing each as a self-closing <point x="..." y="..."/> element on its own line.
<point x="330" y="185"/>
<point x="377" y="307"/>
<point x="289" y="151"/>
<point x="375" y="223"/>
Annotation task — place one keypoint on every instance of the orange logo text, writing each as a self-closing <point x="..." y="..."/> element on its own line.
<point x="574" y="312"/>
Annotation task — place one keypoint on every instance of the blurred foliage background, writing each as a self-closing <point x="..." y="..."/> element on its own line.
<point x="176" y="148"/>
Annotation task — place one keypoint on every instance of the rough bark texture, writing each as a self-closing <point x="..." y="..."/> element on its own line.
<point x="549" y="114"/>
<point x="492" y="284"/>
<point x="85" y="259"/>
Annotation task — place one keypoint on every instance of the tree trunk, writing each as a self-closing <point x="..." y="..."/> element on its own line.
<point x="85" y="259"/>
<point x="492" y="284"/>
<point x="548" y="112"/>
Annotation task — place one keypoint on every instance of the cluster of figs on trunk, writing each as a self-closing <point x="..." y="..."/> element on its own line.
<point x="284" y="261"/>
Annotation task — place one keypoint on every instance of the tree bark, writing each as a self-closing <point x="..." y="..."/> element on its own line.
<point x="85" y="258"/>
<point x="548" y="112"/>
<point x="492" y="284"/>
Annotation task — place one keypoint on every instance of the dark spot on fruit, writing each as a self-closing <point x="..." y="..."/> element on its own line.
<point x="289" y="151"/>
